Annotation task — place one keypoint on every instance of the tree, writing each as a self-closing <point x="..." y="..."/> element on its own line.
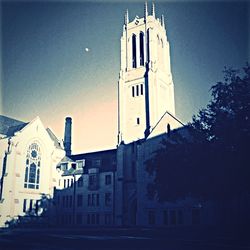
<point x="213" y="162"/>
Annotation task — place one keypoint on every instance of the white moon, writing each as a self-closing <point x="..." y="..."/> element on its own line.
<point x="87" y="49"/>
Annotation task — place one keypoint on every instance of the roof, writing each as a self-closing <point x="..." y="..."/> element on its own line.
<point x="54" y="138"/>
<point x="107" y="157"/>
<point x="8" y="126"/>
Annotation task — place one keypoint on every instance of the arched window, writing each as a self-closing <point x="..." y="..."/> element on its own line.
<point x="141" y="49"/>
<point x="148" y="45"/>
<point x="32" y="168"/>
<point x="134" y="51"/>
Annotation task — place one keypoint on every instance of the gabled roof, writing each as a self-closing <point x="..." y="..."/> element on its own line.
<point x="8" y="126"/>
<point x="54" y="138"/>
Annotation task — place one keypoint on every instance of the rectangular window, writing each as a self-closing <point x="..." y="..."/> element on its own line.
<point x="92" y="218"/>
<point x="80" y="182"/>
<point x="165" y="217"/>
<point x="133" y="91"/>
<point x="107" y="199"/>
<point x="195" y="216"/>
<point x="80" y="164"/>
<point x="107" y="219"/>
<point x="72" y="183"/>
<point x="137" y="90"/>
<point x="31" y="203"/>
<point x="73" y="165"/>
<point x="151" y="217"/>
<point x="172" y="215"/>
<point x="107" y="179"/>
<point x="180" y="217"/>
<point x="93" y="182"/>
<point x="141" y="89"/>
<point x="68" y="182"/>
<point x="96" y="162"/>
<point x="65" y="184"/>
<point x="97" y="199"/>
<point x="79" y="200"/>
<point x="89" y="200"/>
<point x="137" y="120"/>
<point x="64" y="166"/>
<point x="97" y="219"/>
<point x="88" y="219"/>
<point x="24" y="205"/>
<point x="79" y="219"/>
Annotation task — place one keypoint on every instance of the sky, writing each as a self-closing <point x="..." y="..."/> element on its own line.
<point x="47" y="71"/>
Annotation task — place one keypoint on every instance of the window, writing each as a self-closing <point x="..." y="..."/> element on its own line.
<point x="141" y="49"/>
<point x="31" y="203"/>
<point x="65" y="184"/>
<point x="72" y="183"/>
<point x="133" y="91"/>
<point x="168" y="128"/>
<point x="80" y="164"/>
<point x="80" y="182"/>
<point x="93" y="181"/>
<point x="180" y="217"/>
<point x="165" y="217"/>
<point x="107" y="199"/>
<point x="134" y="51"/>
<point x="63" y="201"/>
<point x="64" y="166"/>
<point x="73" y="165"/>
<point x="195" y="216"/>
<point x="24" y="205"/>
<point x="148" y="52"/>
<point x="107" y="219"/>
<point x="107" y="179"/>
<point x="79" y="200"/>
<point x="68" y="182"/>
<point x="96" y="162"/>
<point x="141" y="89"/>
<point x="32" y="169"/>
<point x="137" y="90"/>
<point x="137" y="120"/>
<point x="89" y="200"/>
<point x="79" y="219"/>
<point x="88" y="219"/>
<point x="151" y="217"/>
<point x="172" y="215"/>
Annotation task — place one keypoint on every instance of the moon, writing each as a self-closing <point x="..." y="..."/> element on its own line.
<point x="87" y="49"/>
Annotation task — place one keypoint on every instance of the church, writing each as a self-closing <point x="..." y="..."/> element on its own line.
<point x="104" y="188"/>
<point x="109" y="188"/>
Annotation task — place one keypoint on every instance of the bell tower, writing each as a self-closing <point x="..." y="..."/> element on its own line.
<point x="145" y="86"/>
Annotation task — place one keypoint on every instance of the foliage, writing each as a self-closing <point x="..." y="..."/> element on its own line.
<point x="212" y="162"/>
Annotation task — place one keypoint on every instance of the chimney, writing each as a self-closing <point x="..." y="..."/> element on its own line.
<point x="67" y="136"/>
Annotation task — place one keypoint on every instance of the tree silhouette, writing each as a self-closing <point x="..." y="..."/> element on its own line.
<point x="212" y="162"/>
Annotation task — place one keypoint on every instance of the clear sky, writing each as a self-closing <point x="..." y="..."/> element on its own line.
<point x="47" y="72"/>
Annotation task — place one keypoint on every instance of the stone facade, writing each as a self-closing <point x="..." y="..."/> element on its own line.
<point x="29" y="154"/>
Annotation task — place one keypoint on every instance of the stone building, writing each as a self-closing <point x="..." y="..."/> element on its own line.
<point x="85" y="196"/>
<point x="29" y="154"/>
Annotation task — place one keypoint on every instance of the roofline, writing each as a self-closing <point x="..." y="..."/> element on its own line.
<point x="102" y="151"/>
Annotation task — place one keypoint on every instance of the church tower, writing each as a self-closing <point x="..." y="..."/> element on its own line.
<point x="145" y="87"/>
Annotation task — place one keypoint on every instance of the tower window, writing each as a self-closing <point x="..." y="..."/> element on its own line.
<point x="133" y="91"/>
<point x="134" y="51"/>
<point x="138" y="120"/>
<point x="137" y="90"/>
<point x="148" y="52"/>
<point x="141" y="49"/>
<point x="141" y="89"/>
<point x="32" y="169"/>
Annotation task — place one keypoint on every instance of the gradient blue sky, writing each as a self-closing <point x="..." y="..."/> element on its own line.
<point x="46" y="71"/>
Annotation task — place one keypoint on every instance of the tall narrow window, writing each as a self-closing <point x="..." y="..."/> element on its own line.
<point x="134" y="51"/>
<point x="24" y="205"/>
<point x="133" y="91"/>
<point x="32" y="168"/>
<point x="137" y="90"/>
<point x="141" y="89"/>
<point x="148" y="52"/>
<point x="141" y="49"/>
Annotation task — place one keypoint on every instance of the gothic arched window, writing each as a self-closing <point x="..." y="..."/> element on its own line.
<point x="134" y="51"/>
<point x="141" y="49"/>
<point x="32" y="168"/>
